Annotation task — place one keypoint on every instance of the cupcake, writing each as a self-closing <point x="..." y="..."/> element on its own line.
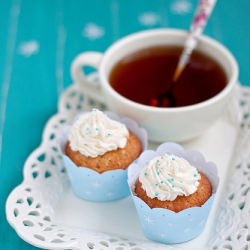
<point x="98" y="148"/>
<point x="173" y="191"/>
<point x="171" y="182"/>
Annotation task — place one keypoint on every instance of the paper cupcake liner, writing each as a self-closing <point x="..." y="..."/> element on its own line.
<point x="90" y="185"/>
<point x="164" y="225"/>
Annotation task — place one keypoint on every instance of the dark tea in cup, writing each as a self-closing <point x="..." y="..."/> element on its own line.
<point x="147" y="73"/>
<point x="140" y="67"/>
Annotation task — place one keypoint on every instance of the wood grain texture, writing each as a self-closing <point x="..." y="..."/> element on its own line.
<point x="38" y="41"/>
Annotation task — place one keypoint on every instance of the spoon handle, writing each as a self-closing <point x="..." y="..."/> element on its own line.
<point x="201" y="16"/>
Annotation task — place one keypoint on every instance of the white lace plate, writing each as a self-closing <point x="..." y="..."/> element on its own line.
<point x="45" y="213"/>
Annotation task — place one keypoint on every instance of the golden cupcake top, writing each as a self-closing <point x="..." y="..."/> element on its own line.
<point x="166" y="177"/>
<point x="94" y="134"/>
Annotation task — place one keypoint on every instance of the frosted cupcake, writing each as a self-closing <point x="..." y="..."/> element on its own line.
<point x="173" y="191"/>
<point x="98" y="149"/>
<point x="102" y="144"/>
<point x="171" y="182"/>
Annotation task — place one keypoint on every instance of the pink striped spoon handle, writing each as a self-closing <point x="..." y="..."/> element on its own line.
<point x="205" y="8"/>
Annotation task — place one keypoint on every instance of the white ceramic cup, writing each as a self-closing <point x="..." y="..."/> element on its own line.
<point x="162" y="124"/>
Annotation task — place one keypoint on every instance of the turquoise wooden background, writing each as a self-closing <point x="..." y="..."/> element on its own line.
<point x="40" y="38"/>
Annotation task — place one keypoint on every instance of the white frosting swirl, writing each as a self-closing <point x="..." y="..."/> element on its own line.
<point x="168" y="176"/>
<point x="94" y="134"/>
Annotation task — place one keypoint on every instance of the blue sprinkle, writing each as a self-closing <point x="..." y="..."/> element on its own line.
<point x="173" y="158"/>
<point x="96" y="129"/>
<point x="172" y="179"/>
<point x="172" y="186"/>
<point x="156" y="184"/>
<point x="156" y="194"/>
<point x="145" y="174"/>
<point x="157" y="172"/>
<point x="195" y="175"/>
<point x="162" y="182"/>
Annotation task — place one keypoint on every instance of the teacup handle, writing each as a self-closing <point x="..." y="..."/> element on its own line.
<point x="92" y="59"/>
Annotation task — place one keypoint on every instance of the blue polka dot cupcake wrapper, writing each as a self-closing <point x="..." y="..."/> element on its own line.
<point x="163" y="225"/>
<point x="111" y="185"/>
